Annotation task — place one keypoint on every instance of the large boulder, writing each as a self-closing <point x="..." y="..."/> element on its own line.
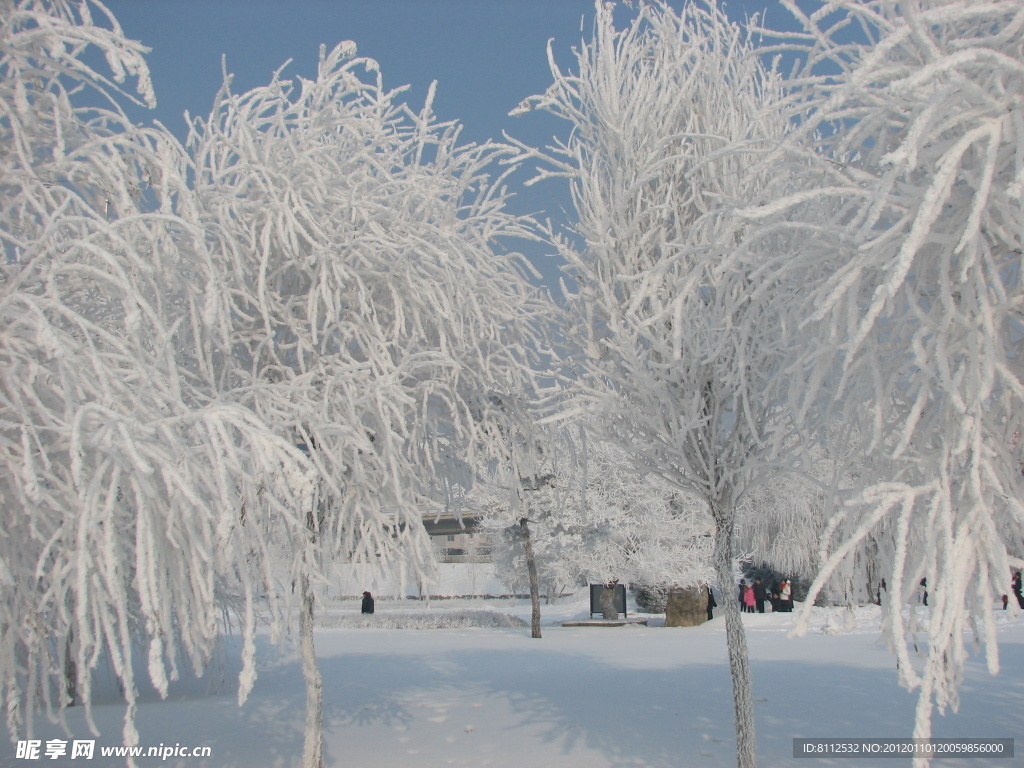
<point x="686" y="607"/>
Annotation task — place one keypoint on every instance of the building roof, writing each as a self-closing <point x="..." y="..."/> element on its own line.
<point x="450" y="524"/>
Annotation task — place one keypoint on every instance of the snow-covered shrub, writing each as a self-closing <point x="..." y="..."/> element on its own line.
<point x="650" y="598"/>
<point x="423" y="620"/>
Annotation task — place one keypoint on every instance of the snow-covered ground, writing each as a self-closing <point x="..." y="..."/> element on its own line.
<point x="590" y="696"/>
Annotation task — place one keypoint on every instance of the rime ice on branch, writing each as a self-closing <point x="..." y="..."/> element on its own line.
<point x="366" y="306"/>
<point x="125" y="488"/>
<point x="915" y="132"/>
<point x="275" y="342"/>
<point x="681" y="342"/>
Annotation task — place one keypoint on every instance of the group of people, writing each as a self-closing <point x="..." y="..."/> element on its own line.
<point x="753" y="596"/>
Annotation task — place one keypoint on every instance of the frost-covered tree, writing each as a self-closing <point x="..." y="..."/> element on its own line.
<point x="780" y="525"/>
<point x="636" y="528"/>
<point x="548" y="539"/>
<point x="129" y="498"/>
<point x="276" y="342"/>
<point x="366" y="306"/>
<point x="595" y="519"/>
<point x="915" y="113"/>
<point x="513" y="493"/>
<point x="784" y="522"/>
<point x="681" y="344"/>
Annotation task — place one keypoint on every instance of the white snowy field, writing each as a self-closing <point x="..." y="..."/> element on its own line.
<point x="579" y="697"/>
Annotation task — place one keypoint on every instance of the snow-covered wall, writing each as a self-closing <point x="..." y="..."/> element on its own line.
<point x="450" y="580"/>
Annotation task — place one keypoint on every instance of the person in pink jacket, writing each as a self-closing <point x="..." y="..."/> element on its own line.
<point x="748" y="599"/>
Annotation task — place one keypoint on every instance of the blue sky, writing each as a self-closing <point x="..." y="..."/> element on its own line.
<point x="487" y="56"/>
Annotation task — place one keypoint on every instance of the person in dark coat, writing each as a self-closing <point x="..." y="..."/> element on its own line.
<point x="1016" y="584"/>
<point x="760" y="595"/>
<point x="743" y="591"/>
<point x="711" y="604"/>
<point x="367" y="603"/>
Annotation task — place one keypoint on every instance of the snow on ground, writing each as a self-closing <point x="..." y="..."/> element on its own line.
<point x="591" y="696"/>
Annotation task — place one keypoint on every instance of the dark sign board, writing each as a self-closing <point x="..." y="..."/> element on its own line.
<point x="619" y="602"/>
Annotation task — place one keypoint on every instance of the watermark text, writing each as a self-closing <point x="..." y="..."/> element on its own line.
<point x="86" y="749"/>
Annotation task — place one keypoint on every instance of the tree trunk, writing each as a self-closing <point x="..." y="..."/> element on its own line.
<point x="70" y="671"/>
<point x="736" y="639"/>
<point x="313" y="752"/>
<point x="531" y="569"/>
<point x="608" y="610"/>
